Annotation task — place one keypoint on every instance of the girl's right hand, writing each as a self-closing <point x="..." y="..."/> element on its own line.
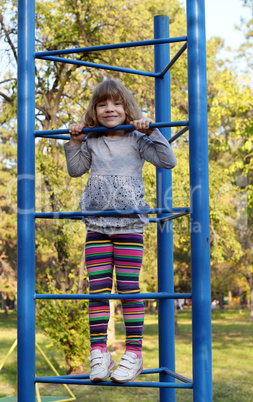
<point x="76" y="133"/>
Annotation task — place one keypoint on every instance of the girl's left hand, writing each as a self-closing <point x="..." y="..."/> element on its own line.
<point x="142" y="125"/>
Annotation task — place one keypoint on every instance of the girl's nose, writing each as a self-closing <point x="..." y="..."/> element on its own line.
<point x="109" y="106"/>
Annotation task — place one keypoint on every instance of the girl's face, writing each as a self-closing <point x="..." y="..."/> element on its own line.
<point x="111" y="113"/>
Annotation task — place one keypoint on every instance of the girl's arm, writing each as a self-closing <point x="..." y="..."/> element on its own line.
<point x="156" y="150"/>
<point x="77" y="156"/>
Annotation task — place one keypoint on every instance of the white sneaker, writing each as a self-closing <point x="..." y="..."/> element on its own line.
<point x="101" y="365"/>
<point x="130" y="366"/>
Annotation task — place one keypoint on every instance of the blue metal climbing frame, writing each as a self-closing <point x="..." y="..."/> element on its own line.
<point x="199" y="209"/>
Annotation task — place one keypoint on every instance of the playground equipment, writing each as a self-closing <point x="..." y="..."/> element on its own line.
<point x="37" y="392"/>
<point x="199" y="209"/>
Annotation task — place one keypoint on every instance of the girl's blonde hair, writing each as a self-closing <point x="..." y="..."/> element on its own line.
<point x="111" y="89"/>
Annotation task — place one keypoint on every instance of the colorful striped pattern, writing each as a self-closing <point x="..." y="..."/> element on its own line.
<point x="102" y="253"/>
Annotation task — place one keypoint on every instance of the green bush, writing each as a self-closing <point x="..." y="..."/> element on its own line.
<point x="66" y="323"/>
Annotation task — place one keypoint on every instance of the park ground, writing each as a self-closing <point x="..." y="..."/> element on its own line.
<point x="232" y="335"/>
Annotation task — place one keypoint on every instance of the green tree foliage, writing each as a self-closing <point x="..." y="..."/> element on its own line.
<point x="242" y="151"/>
<point x="8" y="285"/>
<point x="66" y="322"/>
<point x="62" y="93"/>
<point x="230" y="127"/>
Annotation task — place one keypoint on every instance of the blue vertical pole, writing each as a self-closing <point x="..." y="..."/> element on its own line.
<point x="164" y="230"/>
<point x="26" y="201"/>
<point x="200" y="240"/>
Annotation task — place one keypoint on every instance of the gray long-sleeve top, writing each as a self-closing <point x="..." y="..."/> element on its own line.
<point x="115" y="180"/>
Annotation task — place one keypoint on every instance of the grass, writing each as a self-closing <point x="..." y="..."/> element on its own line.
<point x="232" y="334"/>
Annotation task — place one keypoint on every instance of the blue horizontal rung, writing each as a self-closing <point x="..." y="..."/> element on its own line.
<point x="64" y="380"/>
<point x="144" y="372"/>
<point x="87" y="376"/>
<point x="66" y="215"/>
<point x="115" y="296"/>
<point x="112" y="46"/>
<point x="48" y="133"/>
<point x="99" y="66"/>
<point x="151" y="220"/>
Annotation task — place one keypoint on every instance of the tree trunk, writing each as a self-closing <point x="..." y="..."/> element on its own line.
<point x="251" y="304"/>
<point x="81" y="273"/>
<point x="221" y="300"/>
<point x="72" y="370"/>
<point x="4" y="305"/>
<point x="151" y="306"/>
<point x="175" y="318"/>
<point x="230" y="299"/>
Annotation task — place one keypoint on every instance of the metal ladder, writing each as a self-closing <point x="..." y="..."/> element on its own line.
<point x="198" y="210"/>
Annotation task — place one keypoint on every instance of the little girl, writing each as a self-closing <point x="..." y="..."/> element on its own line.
<point x="115" y="159"/>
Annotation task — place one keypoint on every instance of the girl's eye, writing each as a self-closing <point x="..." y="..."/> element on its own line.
<point x="118" y="103"/>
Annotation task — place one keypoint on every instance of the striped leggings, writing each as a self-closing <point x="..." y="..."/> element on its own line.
<point x="102" y="253"/>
